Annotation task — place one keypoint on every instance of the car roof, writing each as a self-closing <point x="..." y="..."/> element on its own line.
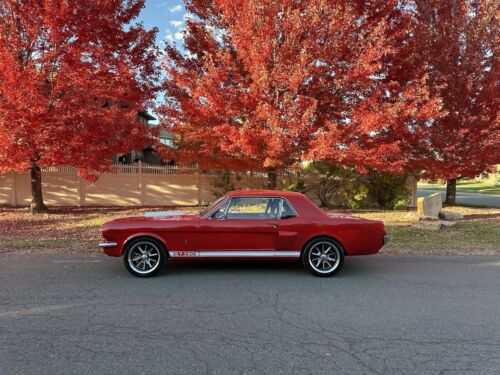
<point x="267" y="193"/>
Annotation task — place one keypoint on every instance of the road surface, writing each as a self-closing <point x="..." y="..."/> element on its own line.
<point x="473" y="199"/>
<point x="63" y="314"/>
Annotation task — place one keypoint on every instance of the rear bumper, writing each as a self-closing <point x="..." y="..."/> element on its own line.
<point x="385" y="240"/>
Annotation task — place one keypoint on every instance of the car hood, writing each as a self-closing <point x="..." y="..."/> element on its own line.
<point x="150" y="217"/>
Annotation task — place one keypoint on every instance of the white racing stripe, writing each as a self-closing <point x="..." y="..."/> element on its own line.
<point x="77" y="261"/>
<point x="235" y="254"/>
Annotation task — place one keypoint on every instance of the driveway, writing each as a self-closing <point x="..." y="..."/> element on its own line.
<point x="63" y="314"/>
<point x="473" y="199"/>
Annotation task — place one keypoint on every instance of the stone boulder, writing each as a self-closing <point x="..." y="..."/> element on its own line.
<point x="449" y="215"/>
<point x="430" y="205"/>
<point x="434" y="225"/>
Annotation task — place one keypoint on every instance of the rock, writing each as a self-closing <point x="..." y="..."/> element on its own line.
<point x="449" y="215"/>
<point x="447" y="224"/>
<point x="428" y="218"/>
<point x="427" y="225"/>
<point x="430" y="205"/>
<point x="434" y="225"/>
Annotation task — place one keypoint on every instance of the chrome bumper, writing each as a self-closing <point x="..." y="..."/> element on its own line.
<point x="107" y="244"/>
<point x="386" y="240"/>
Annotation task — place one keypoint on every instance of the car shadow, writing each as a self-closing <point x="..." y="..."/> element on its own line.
<point x="353" y="267"/>
<point x="234" y="267"/>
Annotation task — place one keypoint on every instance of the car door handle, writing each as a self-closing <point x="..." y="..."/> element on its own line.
<point x="273" y="224"/>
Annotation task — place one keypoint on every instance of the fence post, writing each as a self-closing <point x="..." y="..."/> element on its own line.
<point x="14" y="189"/>
<point x="141" y="185"/>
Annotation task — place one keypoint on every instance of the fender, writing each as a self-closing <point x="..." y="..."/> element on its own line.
<point x="327" y="235"/>
<point x="145" y="234"/>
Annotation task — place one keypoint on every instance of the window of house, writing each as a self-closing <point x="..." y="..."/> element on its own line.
<point x="166" y="141"/>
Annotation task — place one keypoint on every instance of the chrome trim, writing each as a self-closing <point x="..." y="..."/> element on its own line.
<point x="386" y="240"/>
<point x="107" y="244"/>
<point x="234" y="254"/>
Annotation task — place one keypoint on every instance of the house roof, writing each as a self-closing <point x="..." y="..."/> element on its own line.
<point x="146" y="116"/>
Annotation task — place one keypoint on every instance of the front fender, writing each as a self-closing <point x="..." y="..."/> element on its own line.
<point x="143" y="234"/>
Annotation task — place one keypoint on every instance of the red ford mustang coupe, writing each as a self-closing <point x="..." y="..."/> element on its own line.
<point x="244" y="225"/>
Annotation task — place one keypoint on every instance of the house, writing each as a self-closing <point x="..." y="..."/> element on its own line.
<point x="147" y="154"/>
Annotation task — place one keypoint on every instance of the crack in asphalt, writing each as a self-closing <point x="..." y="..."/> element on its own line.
<point x="93" y="318"/>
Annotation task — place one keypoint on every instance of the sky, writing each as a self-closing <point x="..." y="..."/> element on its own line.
<point x="167" y="16"/>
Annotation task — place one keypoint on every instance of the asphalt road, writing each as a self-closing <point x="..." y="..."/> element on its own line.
<point x="473" y="199"/>
<point x="62" y="314"/>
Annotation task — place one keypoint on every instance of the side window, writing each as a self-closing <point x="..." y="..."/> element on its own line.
<point x="221" y="212"/>
<point x="287" y="212"/>
<point x="253" y="208"/>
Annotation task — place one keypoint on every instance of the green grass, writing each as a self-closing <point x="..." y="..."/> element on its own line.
<point x="478" y="234"/>
<point x="468" y="186"/>
<point x="467" y="237"/>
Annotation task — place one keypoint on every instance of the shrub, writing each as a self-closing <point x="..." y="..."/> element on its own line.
<point x="334" y="185"/>
<point x="386" y="190"/>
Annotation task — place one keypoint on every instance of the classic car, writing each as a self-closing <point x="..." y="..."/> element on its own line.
<point x="244" y="225"/>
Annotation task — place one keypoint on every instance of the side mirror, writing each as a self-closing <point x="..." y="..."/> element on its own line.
<point x="287" y="216"/>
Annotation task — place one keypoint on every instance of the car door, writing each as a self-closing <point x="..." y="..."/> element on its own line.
<point x="244" y="226"/>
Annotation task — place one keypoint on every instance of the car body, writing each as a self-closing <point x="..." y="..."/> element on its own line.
<point x="244" y="225"/>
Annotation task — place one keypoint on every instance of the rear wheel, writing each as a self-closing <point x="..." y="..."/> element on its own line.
<point x="144" y="257"/>
<point x="323" y="257"/>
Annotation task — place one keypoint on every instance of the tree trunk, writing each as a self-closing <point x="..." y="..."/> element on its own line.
<point x="272" y="179"/>
<point x="451" y="192"/>
<point x="36" y="205"/>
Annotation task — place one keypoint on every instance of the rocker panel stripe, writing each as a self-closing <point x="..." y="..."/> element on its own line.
<point x="235" y="254"/>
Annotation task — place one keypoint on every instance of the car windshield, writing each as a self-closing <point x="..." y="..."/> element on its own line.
<point x="212" y="206"/>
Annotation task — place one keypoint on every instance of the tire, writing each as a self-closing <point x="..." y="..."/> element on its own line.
<point x="323" y="257"/>
<point x="144" y="257"/>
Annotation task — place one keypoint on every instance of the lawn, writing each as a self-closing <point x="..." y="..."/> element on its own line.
<point x="467" y="186"/>
<point x="77" y="230"/>
<point x="478" y="234"/>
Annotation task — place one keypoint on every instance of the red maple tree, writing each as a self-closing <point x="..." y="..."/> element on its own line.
<point x="458" y="43"/>
<point x="73" y="77"/>
<point x="266" y="84"/>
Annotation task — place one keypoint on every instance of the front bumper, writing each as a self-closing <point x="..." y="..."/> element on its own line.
<point x="107" y="244"/>
<point x="385" y="240"/>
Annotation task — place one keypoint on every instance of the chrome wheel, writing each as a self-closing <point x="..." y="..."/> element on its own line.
<point x="144" y="257"/>
<point x="324" y="257"/>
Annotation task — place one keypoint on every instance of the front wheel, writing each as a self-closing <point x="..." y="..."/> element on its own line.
<point x="144" y="257"/>
<point x="323" y="257"/>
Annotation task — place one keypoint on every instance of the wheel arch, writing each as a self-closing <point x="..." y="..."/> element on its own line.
<point x="319" y="236"/>
<point x="145" y="235"/>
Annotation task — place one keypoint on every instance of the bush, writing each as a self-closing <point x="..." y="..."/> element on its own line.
<point x="335" y="186"/>
<point x="386" y="190"/>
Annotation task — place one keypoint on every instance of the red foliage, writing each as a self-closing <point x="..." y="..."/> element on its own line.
<point x="73" y="76"/>
<point x="267" y="84"/>
<point x="459" y="43"/>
